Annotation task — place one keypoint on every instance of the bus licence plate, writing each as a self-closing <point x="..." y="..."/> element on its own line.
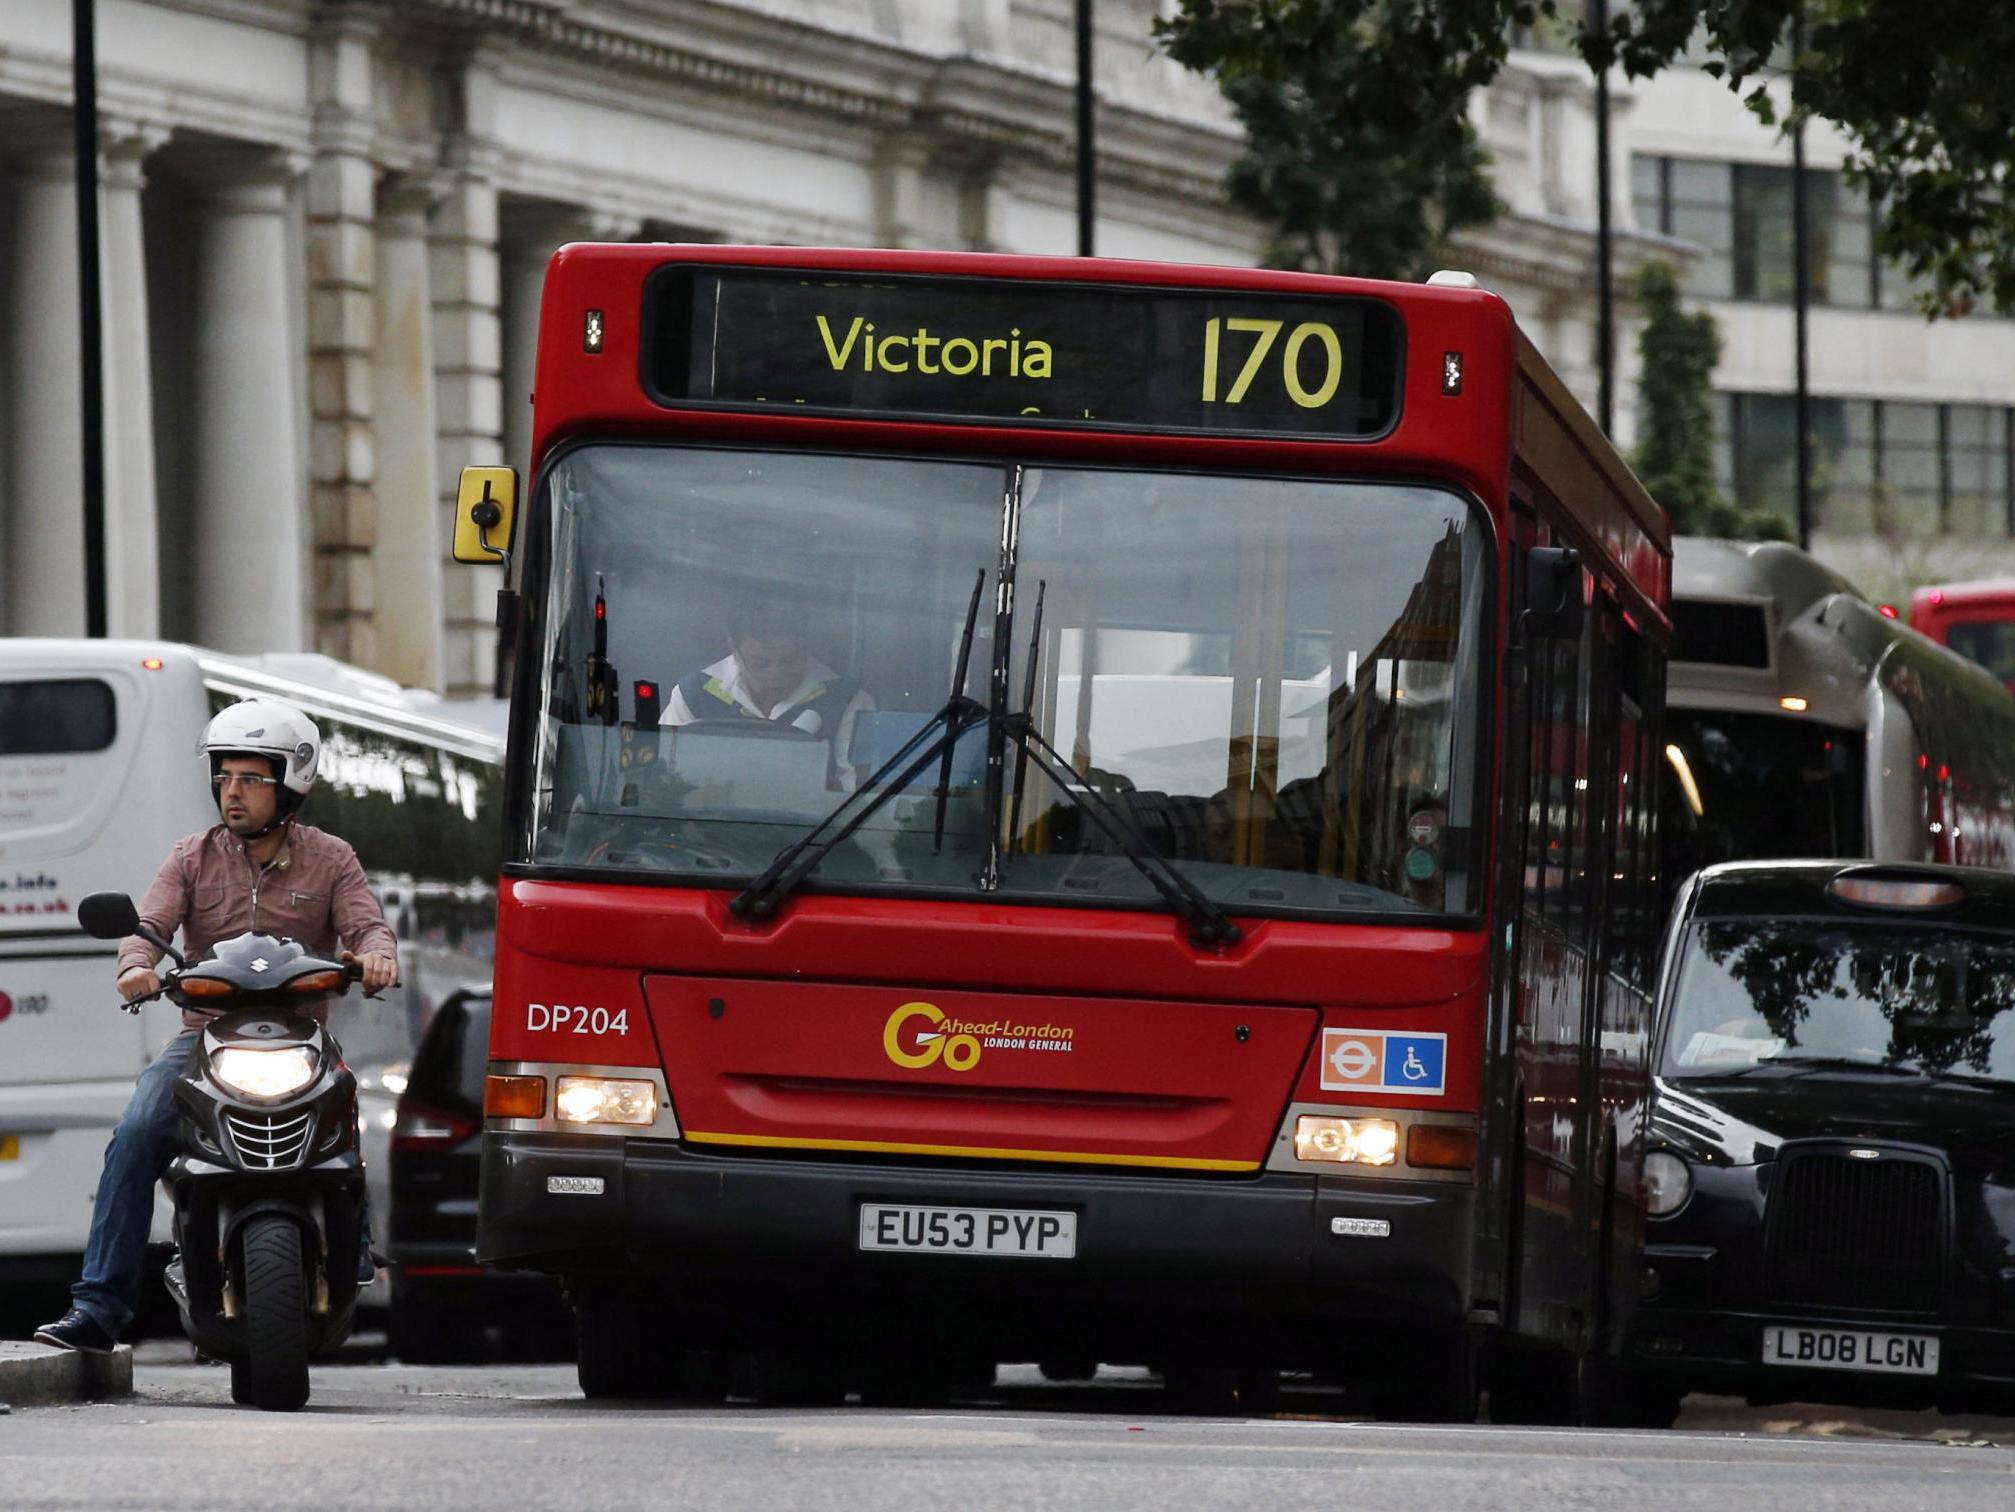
<point x="1017" y="1233"/>
<point x="1850" y="1349"/>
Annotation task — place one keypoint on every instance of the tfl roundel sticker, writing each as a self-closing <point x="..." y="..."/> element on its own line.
<point x="1384" y="1060"/>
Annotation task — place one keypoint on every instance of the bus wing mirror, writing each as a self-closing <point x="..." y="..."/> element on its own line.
<point x="1553" y="608"/>
<point x="486" y="514"/>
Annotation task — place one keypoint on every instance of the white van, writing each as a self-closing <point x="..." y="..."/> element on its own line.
<point x="99" y="777"/>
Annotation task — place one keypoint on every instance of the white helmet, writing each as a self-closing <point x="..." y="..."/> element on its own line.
<point x="266" y="727"/>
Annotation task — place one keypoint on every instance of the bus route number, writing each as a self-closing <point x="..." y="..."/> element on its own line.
<point x="1266" y="335"/>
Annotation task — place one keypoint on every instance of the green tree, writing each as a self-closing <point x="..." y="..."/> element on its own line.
<point x="1353" y="179"/>
<point x="1675" y="449"/>
<point x="1922" y="90"/>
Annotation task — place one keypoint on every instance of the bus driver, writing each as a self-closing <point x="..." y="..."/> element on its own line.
<point x="770" y="674"/>
<point x="257" y="869"/>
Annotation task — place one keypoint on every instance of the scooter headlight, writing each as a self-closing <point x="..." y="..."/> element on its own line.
<point x="264" y="1073"/>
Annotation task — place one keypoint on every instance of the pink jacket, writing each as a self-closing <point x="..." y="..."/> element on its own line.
<point x="208" y="888"/>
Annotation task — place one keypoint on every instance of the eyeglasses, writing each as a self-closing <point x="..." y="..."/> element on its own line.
<point x="243" y="779"/>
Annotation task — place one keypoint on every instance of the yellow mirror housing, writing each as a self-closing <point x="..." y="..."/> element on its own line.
<point x="486" y="514"/>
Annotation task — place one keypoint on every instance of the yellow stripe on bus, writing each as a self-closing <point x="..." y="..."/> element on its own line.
<point x="878" y="1147"/>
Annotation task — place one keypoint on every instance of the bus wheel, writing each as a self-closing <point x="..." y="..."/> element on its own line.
<point x="1435" y="1383"/>
<point x="906" y="1380"/>
<point x="616" y="1350"/>
<point x="797" y="1378"/>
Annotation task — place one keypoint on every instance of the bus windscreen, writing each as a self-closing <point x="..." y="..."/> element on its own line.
<point x="1220" y="361"/>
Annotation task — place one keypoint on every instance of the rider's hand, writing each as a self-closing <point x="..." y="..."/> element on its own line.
<point x="380" y="971"/>
<point x="137" y="982"/>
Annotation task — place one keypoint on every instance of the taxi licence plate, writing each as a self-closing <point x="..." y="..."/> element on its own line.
<point x="1011" y="1233"/>
<point x="1850" y="1349"/>
<point x="10" y="1146"/>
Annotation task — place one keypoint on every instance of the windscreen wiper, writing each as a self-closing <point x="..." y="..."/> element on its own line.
<point x="795" y="861"/>
<point x="1208" y="924"/>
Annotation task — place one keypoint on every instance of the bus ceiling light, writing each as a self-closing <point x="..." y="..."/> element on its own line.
<point x="1346" y="1141"/>
<point x="1895" y="892"/>
<point x="604" y="1099"/>
<point x="1686" y="783"/>
<point x="1793" y="703"/>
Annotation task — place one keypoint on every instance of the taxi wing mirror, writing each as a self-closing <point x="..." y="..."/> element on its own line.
<point x="486" y="515"/>
<point x="1553" y="607"/>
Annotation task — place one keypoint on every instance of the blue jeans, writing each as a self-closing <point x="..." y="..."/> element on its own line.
<point x="122" y="1213"/>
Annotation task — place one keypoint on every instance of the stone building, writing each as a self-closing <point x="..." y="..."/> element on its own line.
<point x="325" y="224"/>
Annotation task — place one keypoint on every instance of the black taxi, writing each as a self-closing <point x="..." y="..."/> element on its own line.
<point x="1830" y="1170"/>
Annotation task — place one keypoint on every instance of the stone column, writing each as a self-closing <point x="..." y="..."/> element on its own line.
<point x="248" y="562"/>
<point x="132" y="529"/>
<point x="407" y="553"/>
<point x="469" y="421"/>
<point x="45" y="515"/>
<point x="342" y="327"/>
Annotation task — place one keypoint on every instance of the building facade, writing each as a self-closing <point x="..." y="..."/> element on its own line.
<point x="325" y="225"/>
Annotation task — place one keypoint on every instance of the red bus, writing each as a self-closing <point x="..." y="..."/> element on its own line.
<point x="1975" y="619"/>
<point x="1069" y="811"/>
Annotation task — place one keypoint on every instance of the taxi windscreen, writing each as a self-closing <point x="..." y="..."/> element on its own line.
<point x="1779" y="997"/>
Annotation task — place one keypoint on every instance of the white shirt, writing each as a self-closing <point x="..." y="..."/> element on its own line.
<point x="727" y="674"/>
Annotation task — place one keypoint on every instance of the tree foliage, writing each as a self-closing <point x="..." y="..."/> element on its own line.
<point x="1675" y="451"/>
<point x="1354" y="174"/>
<point x="1923" y="90"/>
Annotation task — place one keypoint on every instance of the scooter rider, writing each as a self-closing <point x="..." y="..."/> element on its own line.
<point x="258" y="869"/>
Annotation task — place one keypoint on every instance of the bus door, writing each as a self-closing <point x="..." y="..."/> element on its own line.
<point x="1562" y="846"/>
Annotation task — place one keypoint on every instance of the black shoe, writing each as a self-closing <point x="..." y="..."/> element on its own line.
<point x="77" y="1330"/>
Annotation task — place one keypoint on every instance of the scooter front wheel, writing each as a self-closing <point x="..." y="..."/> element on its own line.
<point x="276" y="1315"/>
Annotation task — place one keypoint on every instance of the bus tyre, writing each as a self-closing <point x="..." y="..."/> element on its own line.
<point x="1435" y="1383"/>
<point x="797" y="1378"/>
<point x="613" y="1354"/>
<point x="276" y="1315"/>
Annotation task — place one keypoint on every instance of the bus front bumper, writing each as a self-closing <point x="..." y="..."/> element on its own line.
<point x="1224" y="1246"/>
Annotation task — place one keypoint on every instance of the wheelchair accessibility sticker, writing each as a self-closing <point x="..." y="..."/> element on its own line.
<point x="1384" y="1060"/>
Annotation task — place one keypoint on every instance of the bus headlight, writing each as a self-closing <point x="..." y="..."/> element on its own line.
<point x="604" y="1099"/>
<point x="264" y="1073"/>
<point x="1668" y="1182"/>
<point x="1346" y="1141"/>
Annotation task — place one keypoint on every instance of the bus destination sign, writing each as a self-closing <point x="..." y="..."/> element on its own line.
<point x="1221" y="361"/>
